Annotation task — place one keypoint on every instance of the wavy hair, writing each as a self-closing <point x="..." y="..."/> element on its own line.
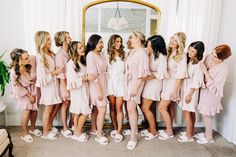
<point x="111" y="48"/>
<point x="40" y="43"/>
<point x="60" y="38"/>
<point x="16" y="55"/>
<point x="180" y="49"/>
<point x="74" y="55"/>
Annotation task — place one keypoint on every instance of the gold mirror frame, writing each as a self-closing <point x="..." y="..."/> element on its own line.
<point x="105" y="1"/>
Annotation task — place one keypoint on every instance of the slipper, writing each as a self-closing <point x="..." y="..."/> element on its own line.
<point x="127" y="132"/>
<point x="55" y="130"/>
<point x="81" y="138"/>
<point x="113" y="133"/>
<point x="27" y="138"/>
<point x="199" y="135"/>
<point x="131" y="145"/>
<point x="86" y="135"/>
<point x="203" y="140"/>
<point x="95" y="133"/>
<point x="182" y="133"/>
<point x="164" y="136"/>
<point x="184" y="138"/>
<point x="36" y="132"/>
<point x="144" y="132"/>
<point x="118" y="138"/>
<point x="66" y="133"/>
<point x="50" y="136"/>
<point x="102" y="140"/>
<point x="150" y="136"/>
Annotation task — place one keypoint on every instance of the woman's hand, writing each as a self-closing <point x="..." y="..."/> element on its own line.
<point x="134" y="92"/>
<point x="31" y="98"/>
<point x="175" y="95"/>
<point x="57" y="71"/>
<point x="91" y="77"/>
<point x="100" y="95"/>
<point x="67" y="94"/>
<point x="188" y="98"/>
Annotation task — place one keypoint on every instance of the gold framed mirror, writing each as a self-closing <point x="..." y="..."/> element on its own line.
<point x="107" y="17"/>
<point x="99" y="17"/>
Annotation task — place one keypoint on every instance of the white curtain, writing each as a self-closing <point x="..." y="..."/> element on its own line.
<point x="52" y="16"/>
<point x="199" y="19"/>
<point x="42" y="15"/>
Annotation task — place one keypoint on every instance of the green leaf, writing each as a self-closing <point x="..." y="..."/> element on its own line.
<point x="4" y="75"/>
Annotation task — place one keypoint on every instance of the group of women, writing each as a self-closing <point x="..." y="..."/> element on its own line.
<point x="85" y="80"/>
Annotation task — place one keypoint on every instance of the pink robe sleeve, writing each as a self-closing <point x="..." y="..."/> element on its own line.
<point x="91" y="67"/>
<point x="161" y="68"/>
<point x="43" y="75"/>
<point x="61" y="62"/>
<point x="73" y="79"/>
<point x="17" y="90"/>
<point x="143" y="65"/>
<point x="197" y="79"/>
<point x="216" y="86"/>
<point x="181" y="72"/>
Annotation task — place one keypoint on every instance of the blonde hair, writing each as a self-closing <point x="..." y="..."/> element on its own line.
<point x="141" y="37"/>
<point x="180" y="49"/>
<point x="40" y="43"/>
<point x="60" y="38"/>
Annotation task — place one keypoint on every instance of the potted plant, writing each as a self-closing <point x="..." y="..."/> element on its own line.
<point x="4" y="79"/>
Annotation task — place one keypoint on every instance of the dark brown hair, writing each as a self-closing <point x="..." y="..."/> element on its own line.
<point x="74" y="55"/>
<point x="111" y="48"/>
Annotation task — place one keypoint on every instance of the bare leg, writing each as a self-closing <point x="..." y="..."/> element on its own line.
<point x="100" y="120"/>
<point x="208" y="127"/>
<point x="53" y="114"/>
<point x="146" y="106"/>
<point x="33" y="117"/>
<point x="112" y="101"/>
<point x="46" y="119"/>
<point x="162" y="107"/>
<point x="24" y="122"/>
<point x="171" y="110"/>
<point x="64" y="109"/>
<point x="80" y="124"/>
<point x="71" y="123"/>
<point x="126" y="111"/>
<point x="94" y="119"/>
<point x="189" y="123"/>
<point x="119" y="110"/>
<point x="133" y="119"/>
<point x="76" y="119"/>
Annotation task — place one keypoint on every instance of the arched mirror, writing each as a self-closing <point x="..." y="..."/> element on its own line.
<point x="107" y="17"/>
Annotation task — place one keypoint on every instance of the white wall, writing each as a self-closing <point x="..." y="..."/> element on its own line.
<point x="225" y="123"/>
<point x="11" y="36"/>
